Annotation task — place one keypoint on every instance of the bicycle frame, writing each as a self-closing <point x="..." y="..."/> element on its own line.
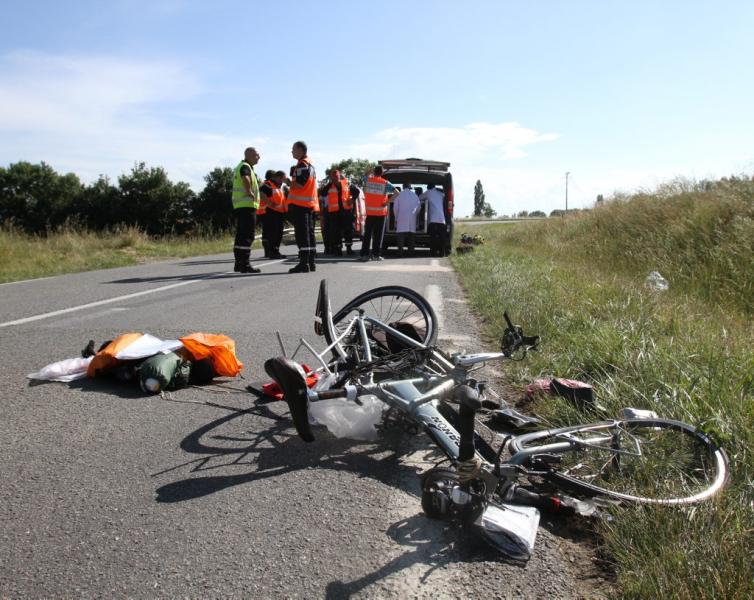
<point x="417" y="377"/>
<point x="403" y="395"/>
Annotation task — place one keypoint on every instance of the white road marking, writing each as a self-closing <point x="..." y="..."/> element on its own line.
<point x="404" y="268"/>
<point x="28" y="280"/>
<point x="164" y="288"/>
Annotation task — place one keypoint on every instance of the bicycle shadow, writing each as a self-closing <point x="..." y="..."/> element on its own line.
<point x="275" y="450"/>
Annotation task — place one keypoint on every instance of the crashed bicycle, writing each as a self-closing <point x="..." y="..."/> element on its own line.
<point x="382" y="345"/>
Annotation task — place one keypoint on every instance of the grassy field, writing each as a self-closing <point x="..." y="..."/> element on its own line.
<point x="687" y="353"/>
<point x="26" y="257"/>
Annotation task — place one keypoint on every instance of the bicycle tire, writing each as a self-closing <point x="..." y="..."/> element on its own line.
<point x="660" y="461"/>
<point x="390" y="304"/>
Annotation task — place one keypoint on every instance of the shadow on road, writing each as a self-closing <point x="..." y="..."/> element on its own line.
<point x="434" y="545"/>
<point x="276" y="450"/>
<point x="176" y="278"/>
<point x="216" y="261"/>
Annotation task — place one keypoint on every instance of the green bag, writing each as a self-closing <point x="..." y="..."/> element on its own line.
<point x="164" y="371"/>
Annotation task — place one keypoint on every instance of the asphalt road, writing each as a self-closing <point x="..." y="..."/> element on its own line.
<point x="108" y="493"/>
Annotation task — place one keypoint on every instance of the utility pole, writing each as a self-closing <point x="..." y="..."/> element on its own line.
<point x="567" y="174"/>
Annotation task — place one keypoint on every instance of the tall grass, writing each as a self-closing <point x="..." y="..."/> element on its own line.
<point x="69" y="249"/>
<point x="687" y="353"/>
<point x="702" y="241"/>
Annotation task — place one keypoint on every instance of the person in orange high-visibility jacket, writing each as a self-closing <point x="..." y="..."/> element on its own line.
<point x="376" y="192"/>
<point x="339" y="213"/>
<point x="273" y="199"/>
<point x="302" y="204"/>
<point x="262" y="211"/>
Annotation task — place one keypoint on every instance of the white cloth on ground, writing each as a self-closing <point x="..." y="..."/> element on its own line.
<point x="66" y="370"/>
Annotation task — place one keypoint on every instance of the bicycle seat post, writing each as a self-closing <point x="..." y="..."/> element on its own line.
<point x="469" y="403"/>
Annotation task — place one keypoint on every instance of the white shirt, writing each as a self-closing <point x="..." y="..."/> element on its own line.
<point x="405" y="207"/>
<point x="435" y="205"/>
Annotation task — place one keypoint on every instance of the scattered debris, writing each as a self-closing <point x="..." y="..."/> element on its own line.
<point x="656" y="282"/>
<point x="156" y="364"/>
<point x="579" y="392"/>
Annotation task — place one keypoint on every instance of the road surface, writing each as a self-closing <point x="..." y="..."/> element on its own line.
<point x="108" y="492"/>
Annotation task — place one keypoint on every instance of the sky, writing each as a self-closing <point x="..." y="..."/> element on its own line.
<point x="621" y="95"/>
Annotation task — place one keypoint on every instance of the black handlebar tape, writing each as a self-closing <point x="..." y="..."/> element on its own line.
<point x="508" y="320"/>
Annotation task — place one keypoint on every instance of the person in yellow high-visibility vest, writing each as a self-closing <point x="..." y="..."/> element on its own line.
<point x="245" y="198"/>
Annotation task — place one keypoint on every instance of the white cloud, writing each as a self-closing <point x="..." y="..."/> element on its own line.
<point x="503" y="141"/>
<point x="79" y="94"/>
<point x="99" y="115"/>
<point x="485" y="151"/>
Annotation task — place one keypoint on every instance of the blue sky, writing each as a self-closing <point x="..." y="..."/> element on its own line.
<point x="623" y="95"/>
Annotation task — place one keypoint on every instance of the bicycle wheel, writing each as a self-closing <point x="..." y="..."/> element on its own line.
<point x="654" y="461"/>
<point x="400" y="307"/>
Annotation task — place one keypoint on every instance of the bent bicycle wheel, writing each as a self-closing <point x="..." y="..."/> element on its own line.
<point x="400" y="307"/>
<point x="653" y="461"/>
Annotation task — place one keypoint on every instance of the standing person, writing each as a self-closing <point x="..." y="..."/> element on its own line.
<point x="435" y="203"/>
<point x="356" y="211"/>
<point x="405" y="207"/>
<point x="376" y="198"/>
<point x="325" y="226"/>
<point x="245" y="198"/>
<point x="273" y="199"/>
<point x="302" y="204"/>
<point x="339" y="213"/>
<point x="262" y="211"/>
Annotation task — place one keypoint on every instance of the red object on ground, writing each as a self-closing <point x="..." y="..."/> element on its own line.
<point x="540" y="386"/>
<point x="272" y="389"/>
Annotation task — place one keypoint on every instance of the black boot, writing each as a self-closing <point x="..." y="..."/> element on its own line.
<point x="242" y="262"/>
<point x="303" y="264"/>
<point x="349" y="250"/>
<point x="239" y="260"/>
<point x="312" y="264"/>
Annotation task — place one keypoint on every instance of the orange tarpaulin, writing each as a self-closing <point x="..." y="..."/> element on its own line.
<point x="105" y="358"/>
<point x="219" y="348"/>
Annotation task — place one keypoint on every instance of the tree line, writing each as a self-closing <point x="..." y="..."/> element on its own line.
<point x="36" y="199"/>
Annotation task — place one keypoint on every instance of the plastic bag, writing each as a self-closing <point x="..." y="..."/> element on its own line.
<point x="510" y="528"/>
<point x="344" y="418"/>
<point x="657" y="282"/>
<point x="66" y="370"/>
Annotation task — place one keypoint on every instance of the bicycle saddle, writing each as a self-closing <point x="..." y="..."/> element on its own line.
<point x="291" y="378"/>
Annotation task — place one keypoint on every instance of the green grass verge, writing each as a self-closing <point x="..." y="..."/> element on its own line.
<point x="687" y="353"/>
<point x="26" y="257"/>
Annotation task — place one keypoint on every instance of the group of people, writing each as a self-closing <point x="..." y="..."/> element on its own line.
<point x="406" y="206"/>
<point x="295" y="197"/>
<point x="277" y="198"/>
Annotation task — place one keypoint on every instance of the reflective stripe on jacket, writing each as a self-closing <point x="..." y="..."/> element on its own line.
<point x="304" y="195"/>
<point x="240" y="197"/>
<point x="332" y="196"/>
<point x="375" y="196"/>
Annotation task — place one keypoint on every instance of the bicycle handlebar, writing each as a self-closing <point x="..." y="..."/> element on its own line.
<point x="515" y="340"/>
